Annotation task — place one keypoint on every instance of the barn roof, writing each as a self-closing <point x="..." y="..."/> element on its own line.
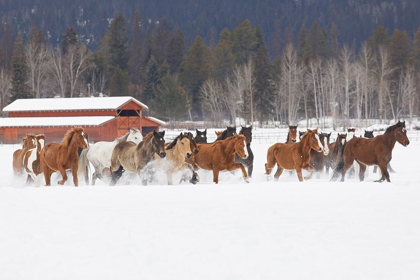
<point x="160" y="122"/>
<point x="54" y="121"/>
<point x="71" y="104"/>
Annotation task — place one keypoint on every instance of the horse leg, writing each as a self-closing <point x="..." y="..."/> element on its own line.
<point x="63" y="174"/>
<point x="216" y="176"/>
<point x="348" y="163"/>
<point x="299" y="174"/>
<point x="47" y="174"/>
<point x="362" y="172"/>
<point x="244" y="174"/>
<point x="169" y="177"/>
<point x="279" y="171"/>
<point x="384" y="171"/>
<point x="195" y="178"/>
<point x="75" y="179"/>
<point x="115" y="176"/>
<point x="250" y="169"/>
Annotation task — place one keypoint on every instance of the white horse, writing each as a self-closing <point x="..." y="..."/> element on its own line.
<point x="99" y="155"/>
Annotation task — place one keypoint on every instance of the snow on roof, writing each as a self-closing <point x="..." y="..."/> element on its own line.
<point x="54" y="121"/>
<point x="156" y="120"/>
<point x="70" y="104"/>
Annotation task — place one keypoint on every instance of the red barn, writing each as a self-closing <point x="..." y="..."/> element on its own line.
<point x="103" y="118"/>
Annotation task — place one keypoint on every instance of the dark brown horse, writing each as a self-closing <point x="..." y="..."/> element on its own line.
<point x="28" y="142"/>
<point x="32" y="161"/>
<point x="294" y="156"/>
<point x="335" y="150"/>
<point x="292" y="134"/>
<point x="375" y="151"/>
<point x="134" y="157"/>
<point x="249" y="161"/>
<point x="200" y="136"/>
<point x="60" y="157"/>
<point x="220" y="155"/>
<point x="318" y="159"/>
<point x="369" y="135"/>
<point x="228" y="132"/>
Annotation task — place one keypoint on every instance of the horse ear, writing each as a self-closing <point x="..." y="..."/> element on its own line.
<point x="205" y="131"/>
<point x="250" y="127"/>
<point x="155" y="134"/>
<point x="309" y="130"/>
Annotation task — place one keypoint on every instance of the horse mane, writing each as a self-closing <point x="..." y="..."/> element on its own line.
<point x="170" y="146"/>
<point x="69" y="135"/>
<point x="224" y="133"/>
<point x="395" y="126"/>
<point x="150" y="134"/>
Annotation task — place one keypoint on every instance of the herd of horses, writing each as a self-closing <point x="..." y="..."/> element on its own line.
<point x="142" y="156"/>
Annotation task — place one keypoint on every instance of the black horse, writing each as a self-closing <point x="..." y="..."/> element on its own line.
<point x="249" y="162"/>
<point x="200" y="136"/>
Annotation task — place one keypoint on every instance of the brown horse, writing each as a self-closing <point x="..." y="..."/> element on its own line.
<point x="134" y="157"/>
<point x="176" y="152"/>
<point x="375" y="151"/>
<point x="292" y="134"/>
<point x="220" y="155"/>
<point x="318" y="159"/>
<point x="60" y="157"/>
<point x="32" y="162"/>
<point x="335" y="150"/>
<point x="28" y="142"/>
<point x="293" y="156"/>
<point x="249" y="161"/>
<point x="218" y="133"/>
<point x="369" y="134"/>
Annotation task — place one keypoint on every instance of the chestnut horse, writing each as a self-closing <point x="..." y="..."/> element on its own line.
<point x="249" y="161"/>
<point x="28" y="142"/>
<point x="220" y="155"/>
<point x="293" y="156"/>
<point x="292" y="134"/>
<point x="134" y="157"/>
<point x="375" y="151"/>
<point x="335" y="150"/>
<point x="60" y="157"/>
<point x="369" y="134"/>
<point x="32" y="161"/>
<point x="175" y="157"/>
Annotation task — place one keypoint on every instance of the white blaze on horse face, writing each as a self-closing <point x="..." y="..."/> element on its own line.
<point x="343" y="141"/>
<point x="245" y="150"/>
<point x="326" y="149"/>
<point x="41" y="143"/>
<point x="34" y="142"/>
<point x="84" y="138"/>
<point x="319" y="142"/>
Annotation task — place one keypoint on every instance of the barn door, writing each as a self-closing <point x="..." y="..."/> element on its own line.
<point x="125" y="123"/>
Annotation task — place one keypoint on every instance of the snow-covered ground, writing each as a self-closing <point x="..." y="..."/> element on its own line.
<point x="262" y="230"/>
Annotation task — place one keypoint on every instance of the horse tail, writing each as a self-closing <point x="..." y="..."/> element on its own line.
<point x="339" y="168"/>
<point x="83" y="168"/>
<point x="271" y="159"/>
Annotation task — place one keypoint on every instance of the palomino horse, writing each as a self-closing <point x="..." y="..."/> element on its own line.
<point x="335" y="150"/>
<point x="318" y="159"/>
<point x="175" y="157"/>
<point x="99" y="155"/>
<point x="375" y="151"/>
<point x="134" y="157"/>
<point x="60" y="157"/>
<point x="249" y="161"/>
<point x="292" y="134"/>
<point x="220" y="155"/>
<point x="294" y="156"/>
<point x="28" y="142"/>
<point x="32" y="161"/>
<point x="200" y="136"/>
<point x="369" y="135"/>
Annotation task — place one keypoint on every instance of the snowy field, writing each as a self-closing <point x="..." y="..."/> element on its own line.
<point x="262" y="230"/>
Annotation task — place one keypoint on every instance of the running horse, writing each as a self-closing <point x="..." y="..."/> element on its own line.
<point x="369" y="134"/>
<point x="294" y="156"/>
<point x="249" y="161"/>
<point x="63" y="156"/>
<point x="134" y="157"/>
<point x="28" y="142"/>
<point x="292" y="134"/>
<point x="335" y="150"/>
<point x="32" y="161"/>
<point x="375" y="151"/>
<point x="220" y="155"/>
<point x="318" y="159"/>
<point x="200" y="136"/>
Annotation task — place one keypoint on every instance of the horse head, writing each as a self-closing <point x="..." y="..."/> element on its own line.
<point x="79" y="138"/>
<point x="158" y="143"/>
<point x="368" y="134"/>
<point x="247" y="132"/>
<point x="292" y="135"/>
<point x="182" y="144"/>
<point x="351" y="131"/>
<point x="301" y="133"/>
<point x="324" y="138"/>
<point x="201" y="136"/>
<point x="314" y="141"/>
<point x="29" y="141"/>
<point x="240" y="146"/>
<point x="341" y="138"/>
<point x="401" y="134"/>
<point x="228" y="132"/>
<point x="40" y="138"/>
<point x="135" y="136"/>
<point x="193" y="143"/>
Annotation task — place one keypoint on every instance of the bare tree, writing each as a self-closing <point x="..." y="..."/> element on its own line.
<point x="212" y="95"/>
<point x="57" y="70"/>
<point x="77" y="61"/>
<point x="37" y="57"/>
<point x="249" y="80"/>
<point x="333" y="91"/>
<point x="5" y="86"/>
<point x="366" y="60"/>
<point x="346" y="58"/>
<point x="408" y="92"/>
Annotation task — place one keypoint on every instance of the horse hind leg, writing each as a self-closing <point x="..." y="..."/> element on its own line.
<point x="115" y="176"/>
<point x="384" y="171"/>
<point x="279" y="171"/>
<point x="362" y="171"/>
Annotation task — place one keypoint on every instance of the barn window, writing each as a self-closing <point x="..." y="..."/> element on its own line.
<point x="128" y="113"/>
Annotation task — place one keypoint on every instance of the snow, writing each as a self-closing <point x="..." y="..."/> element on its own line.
<point x="65" y="104"/>
<point x="262" y="230"/>
<point x="54" y="121"/>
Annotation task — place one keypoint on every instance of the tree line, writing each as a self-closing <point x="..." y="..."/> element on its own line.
<point x="310" y="76"/>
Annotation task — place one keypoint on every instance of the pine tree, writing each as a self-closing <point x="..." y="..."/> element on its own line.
<point x="334" y="40"/>
<point x="70" y="38"/>
<point x="380" y="37"/>
<point x="224" y="59"/>
<point x="118" y="43"/>
<point x="20" y="71"/>
<point x="243" y="38"/>
<point x="400" y="50"/>
<point x="170" y="99"/>
<point x="304" y="48"/>
<point x="176" y="51"/>
<point x="194" y="70"/>
<point x="6" y="44"/>
<point x="275" y="46"/>
<point x="119" y="82"/>
<point x="264" y="96"/>
<point x="148" y="48"/>
<point x="318" y="40"/>
<point x="416" y="46"/>
<point x="160" y="42"/>
<point x="135" y="62"/>
<point x="152" y="80"/>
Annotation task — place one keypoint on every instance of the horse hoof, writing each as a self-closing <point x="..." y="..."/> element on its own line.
<point x="246" y="180"/>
